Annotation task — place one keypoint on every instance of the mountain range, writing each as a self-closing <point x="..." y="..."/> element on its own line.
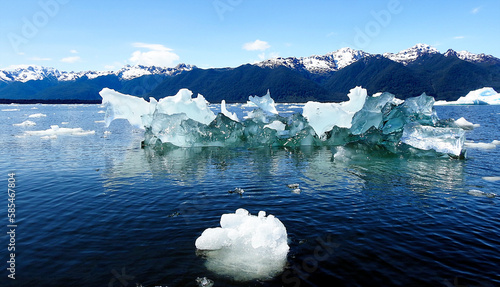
<point x="422" y="68"/>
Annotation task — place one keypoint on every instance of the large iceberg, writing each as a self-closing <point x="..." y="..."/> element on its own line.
<point x="381" y="121"/>
<point x="245" y="246"/>
<point x="483" y="96"/>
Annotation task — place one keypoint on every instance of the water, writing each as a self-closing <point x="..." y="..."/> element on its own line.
<point x="97" y="210"/>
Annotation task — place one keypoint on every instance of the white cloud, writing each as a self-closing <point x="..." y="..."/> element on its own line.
<point x="73" y="51"/>
<point x="458" y="37"/>
<point x="476" y="10"/>
<point x="71" y="59"/>
<point x="257" y="45"/>
<point x="158" y="55"/>
<point x="39" y="59"/>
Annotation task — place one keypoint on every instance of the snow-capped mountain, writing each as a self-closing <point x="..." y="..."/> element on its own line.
<point x="330" y="62"/>
<point x="28" y="73"/>
<point x="342" y="58"/>
<point x="470" y="57"/>
<point x="410" y="55"/>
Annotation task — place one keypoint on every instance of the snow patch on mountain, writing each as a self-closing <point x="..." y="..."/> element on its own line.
<point x="25" y="73"/>
<point x="316" y="64"/>
<point x="408" y="56"/>
<point x="471" y="57"/>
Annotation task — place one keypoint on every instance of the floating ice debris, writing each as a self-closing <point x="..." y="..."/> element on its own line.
<point x="55" y="130"/>
<point x="64" y="123"/>
<point x="204" y="282"/>
<point x="245" y="246"/>
<point x="175" y="214"/>
<point x="483" y="96"/>
<point x="476" y="192"/>
<point x="466" y="125"/>
<point x="381" y="122"/>
<point x="10" y="110"/>
<point x="492" y="178"/>
<point x="294" y="187"/>
<point x="101" y="112"/>
<point x="38" y="115"/>
<point x="237" y="190"/>
<point x="25" y="124"/>
<point x="484" y="146"/>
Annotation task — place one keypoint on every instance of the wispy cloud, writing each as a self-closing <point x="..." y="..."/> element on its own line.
<point x="459" y="37"/>
<point x="70" y="60"/>
<point x="40" y="59"/>
<point x="256" y="45"/>
<point x="157" y="55"/>
<point x="476" y="10"/>
<point x="73" y="51"/>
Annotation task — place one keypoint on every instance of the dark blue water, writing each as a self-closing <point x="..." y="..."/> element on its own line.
<point x="97" y="210"/>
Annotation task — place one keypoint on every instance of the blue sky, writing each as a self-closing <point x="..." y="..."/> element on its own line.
<point x="73" y="35"/>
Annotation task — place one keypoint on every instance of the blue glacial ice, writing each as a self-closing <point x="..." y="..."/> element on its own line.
<point x="380" y="120"/>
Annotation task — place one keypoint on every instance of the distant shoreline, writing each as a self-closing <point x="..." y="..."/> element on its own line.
<point x="38" y="101"/>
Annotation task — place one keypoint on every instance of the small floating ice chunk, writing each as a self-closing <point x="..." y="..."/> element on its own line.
<point x="55" y="130"/>
<point x="476" y="192"/>
<point x="204" y="282"/>
<point x="37" y="115"/>
<point x="25" y="124"/>
<point x="492" y="178"/>
<point x="480" y="145"/>
<point x="237" y="190"/>
<point x="10" y="110"/>
<point x="245" y="246"/>
<point x="466" y="125"/>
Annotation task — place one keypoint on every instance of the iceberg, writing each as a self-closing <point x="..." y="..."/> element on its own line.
<point x="381" y="121"/>
<point x="483" y="96"/>
<point x="245" y="247"/>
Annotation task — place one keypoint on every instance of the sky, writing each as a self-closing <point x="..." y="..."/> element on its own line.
<point x="105" y="35"/>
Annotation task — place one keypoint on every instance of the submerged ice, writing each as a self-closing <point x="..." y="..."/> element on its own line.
<point x="380" y="120"/>
<point x="245" y="246"/>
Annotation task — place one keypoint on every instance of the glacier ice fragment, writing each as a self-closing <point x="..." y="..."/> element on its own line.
<point x="324" y="116"/>
<point x="442" y="140"/>
<point x="245" y="246"/>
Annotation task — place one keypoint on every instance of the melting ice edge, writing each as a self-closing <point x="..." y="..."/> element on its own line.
<point x="379" y="121"/>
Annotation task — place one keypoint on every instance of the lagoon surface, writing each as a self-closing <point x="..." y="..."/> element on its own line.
<point x="95" y="209"/>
